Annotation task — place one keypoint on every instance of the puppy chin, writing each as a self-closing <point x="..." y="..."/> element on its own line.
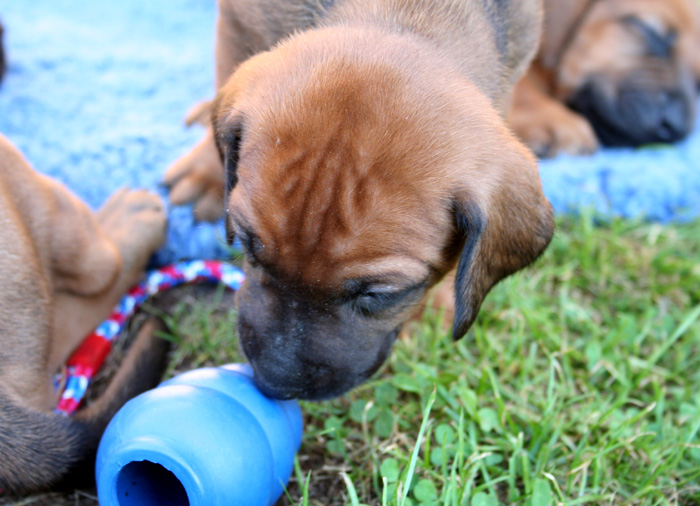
<point x="634" y="116"/>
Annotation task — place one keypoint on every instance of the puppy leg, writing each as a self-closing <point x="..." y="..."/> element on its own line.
<point x="62" y="269"/>
<point x="547" y="126"/>
<point x="199" y="113"/>
<point x="133" y="224"/>
<point x="25" y="316"/>
<point x="82" y="259"/>
<point x="244" y="28"/>
<point x="50" y="242"/>
<point x="198" y="176"/>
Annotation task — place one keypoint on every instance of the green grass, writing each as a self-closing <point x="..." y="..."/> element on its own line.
<point x="579" y="384"/>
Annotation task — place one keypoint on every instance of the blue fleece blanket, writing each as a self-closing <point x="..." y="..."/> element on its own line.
<point x="96" y="93"/>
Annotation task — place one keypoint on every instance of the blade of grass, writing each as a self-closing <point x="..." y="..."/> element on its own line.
<point x="416" y="448"/>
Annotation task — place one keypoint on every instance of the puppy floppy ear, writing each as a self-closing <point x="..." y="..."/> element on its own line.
<point x="227" y="117"/>
<point x="228" y="123"/>
<point x="229" y="146"/>
<point x="506" y="222"/>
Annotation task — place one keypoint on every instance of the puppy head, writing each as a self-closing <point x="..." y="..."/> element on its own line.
<point x="360" y="174"/>
<point x="632" y="69"/>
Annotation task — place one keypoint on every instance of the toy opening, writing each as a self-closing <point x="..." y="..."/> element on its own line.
<point x="147" y="483"/>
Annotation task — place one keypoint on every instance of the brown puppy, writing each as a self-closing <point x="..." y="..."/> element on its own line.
<point x="63" y="270"/>
<point x="365" y="157"/>
<point x="622" y="72"/>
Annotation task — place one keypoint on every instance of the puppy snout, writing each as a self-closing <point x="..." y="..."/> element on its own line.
<point x="664" y="116"/>
<point x="676" y="120"/>
<point x="635" y="116"/>
<point x="281" y="362"/>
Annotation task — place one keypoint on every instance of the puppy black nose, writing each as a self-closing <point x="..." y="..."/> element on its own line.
<point x="664" y="116"/>
<point x="675" y="120"/>
<point x="635" y="116"/>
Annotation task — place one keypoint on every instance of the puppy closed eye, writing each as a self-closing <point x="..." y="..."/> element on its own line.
<point x="250" y="242"/>
<point x="658" y="42"/>
<point x="373" y="300"/>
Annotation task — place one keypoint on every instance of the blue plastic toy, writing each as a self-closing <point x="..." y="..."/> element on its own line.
<point x="207" y="437"/>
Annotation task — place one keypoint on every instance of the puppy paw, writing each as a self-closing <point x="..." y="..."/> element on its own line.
<point x="198" y="177"/>
<point x="553" y="129"/>
<point x="199" y="113"/>
<point x="135" y="221"/>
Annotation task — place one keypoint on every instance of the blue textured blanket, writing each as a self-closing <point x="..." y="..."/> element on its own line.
<point x="96" y="93"/>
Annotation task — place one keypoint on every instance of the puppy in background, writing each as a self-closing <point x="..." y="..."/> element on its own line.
<point x="360" y="149"/>
<point x="63" y="270"/>
<point x="616" y="72"/>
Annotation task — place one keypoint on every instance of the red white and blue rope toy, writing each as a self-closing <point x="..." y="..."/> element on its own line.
<point x="87" y="359"/>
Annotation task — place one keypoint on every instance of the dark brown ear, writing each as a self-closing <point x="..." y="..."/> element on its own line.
<point x="228" y="132"/>
<point x="506" y="227"/>
<point x="230" y="150"/>
<point x="228" y="122"/>
<point x="228" y="135"/>
<point x="228" y="119"/>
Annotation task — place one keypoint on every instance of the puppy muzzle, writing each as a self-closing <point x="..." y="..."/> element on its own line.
<point x="636" y="116"/>
<point x="291" y="367"/>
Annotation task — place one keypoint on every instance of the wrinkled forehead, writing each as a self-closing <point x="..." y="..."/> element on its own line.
<point x="324" y="211"/>
<point x="346" y="165"/>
